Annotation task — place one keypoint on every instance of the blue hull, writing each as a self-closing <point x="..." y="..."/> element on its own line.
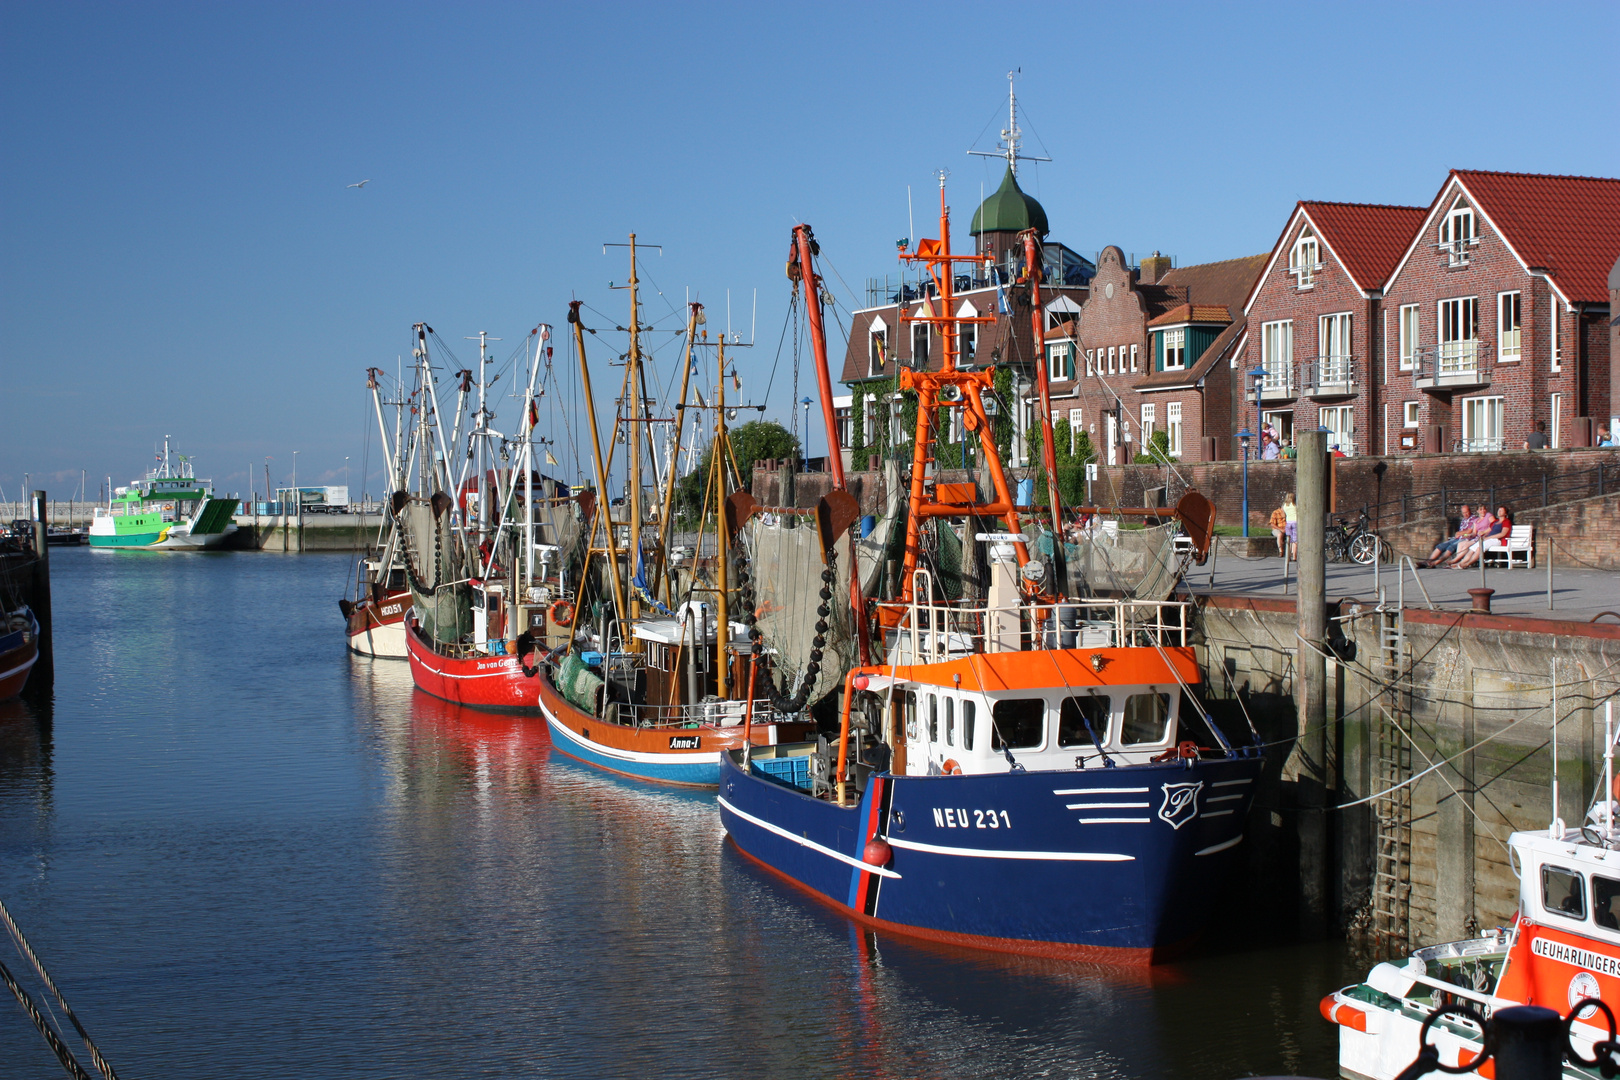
<point x="1113" y="864"/>
<point x="691" y="769"/>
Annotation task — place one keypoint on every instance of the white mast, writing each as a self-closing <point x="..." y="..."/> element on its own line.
<point x="528" y="457"/>
<point x="1012" y="134"/>
<point x="481" y="432"/>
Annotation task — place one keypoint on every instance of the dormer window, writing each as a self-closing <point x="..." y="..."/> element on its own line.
<point x="877" y="349"/>
<point x="1303" y="260"/>
<point x="1175" y="349"/>
<point x="1457" y="233"/>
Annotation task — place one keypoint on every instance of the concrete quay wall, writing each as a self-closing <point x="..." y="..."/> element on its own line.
<point x="1476" y="699"/>
<point x="316" y="532"/>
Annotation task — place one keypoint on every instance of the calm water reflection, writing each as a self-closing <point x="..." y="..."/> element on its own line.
<point x="242" y="851"/>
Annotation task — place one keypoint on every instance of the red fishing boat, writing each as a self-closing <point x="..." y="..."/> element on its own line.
<point x="19" y="651"/>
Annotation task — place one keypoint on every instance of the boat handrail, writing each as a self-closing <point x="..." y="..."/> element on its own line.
<point x="730" y="713"/>
<point x="938" y="630"/>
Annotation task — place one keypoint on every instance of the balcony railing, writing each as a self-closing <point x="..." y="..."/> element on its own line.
<point x="1278" y="382"/>
<point x="1330" y="376"/>
<point x="1452" y="364"/>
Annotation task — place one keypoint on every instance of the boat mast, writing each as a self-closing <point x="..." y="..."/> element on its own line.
<point x="603" y="513"/>
<point x="633" y="386"/>
<point x="722" y="452"/>
<point x="481" y="432"/>
<point x="693" y="317"/>
<point x="1043" y="386"/>
<point x="542" y="335"/>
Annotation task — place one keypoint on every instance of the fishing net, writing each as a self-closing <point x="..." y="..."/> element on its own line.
<point x="1137" y="563"/>
<point x="437" y="571"/>
<point x="784" y="555"/>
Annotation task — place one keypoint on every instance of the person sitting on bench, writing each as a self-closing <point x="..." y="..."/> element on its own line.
<point x="1448" y="548"/>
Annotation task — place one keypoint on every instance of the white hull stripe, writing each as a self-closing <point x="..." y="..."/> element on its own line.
<point x="498" y="673"/>
<point x="690" y="757"/>
<point x="1225" y="798"/>
<point x="981" y="853"/>
<point x="1102" y="791"/>
<point x="1232" y="783"/>
<point x="1216" y="813"/>
<point x="804" y="841"/>
<point x="1106" y="806"/>
<point x="1115" y="820"/>
<point x="24" y="666"/>
<point x="1222" y="846"/>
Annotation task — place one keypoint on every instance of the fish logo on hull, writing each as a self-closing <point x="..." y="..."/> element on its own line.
<point x="1180" y="803"/>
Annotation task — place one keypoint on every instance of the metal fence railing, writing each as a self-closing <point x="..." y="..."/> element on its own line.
<point x="1602" y="479"/>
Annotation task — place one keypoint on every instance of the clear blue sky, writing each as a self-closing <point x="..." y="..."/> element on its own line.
<point x="182" y="255"/>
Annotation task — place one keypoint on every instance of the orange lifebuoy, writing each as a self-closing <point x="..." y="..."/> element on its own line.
<point x="951" y="768"/>
<point x="562" y="613"/>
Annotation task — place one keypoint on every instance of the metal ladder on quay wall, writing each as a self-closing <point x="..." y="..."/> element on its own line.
<point x="1392" y="810"/>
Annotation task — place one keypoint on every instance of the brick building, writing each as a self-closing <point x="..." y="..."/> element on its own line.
<point x="1142" y="355"/>
<point x="1459" y="327"/>
<point x="1314" y="321"/>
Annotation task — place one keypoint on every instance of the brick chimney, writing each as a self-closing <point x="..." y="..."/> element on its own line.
<point x="1154" y="267"/>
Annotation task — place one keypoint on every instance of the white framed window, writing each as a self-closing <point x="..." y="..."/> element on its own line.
<point x="1409" y="336"/>
<point x="1340" y="421"/>
<point x="920" y="337"/>
<point x="898" y="432"/>
<point x="1060" y="362"/>
<point x="1552" y="336"/>
<point x="1133" y="357"/>
<point x="967" y="334"/>
<point x="877" y="348"/>
<point x="1277" y="355"/>
<point x="1482" y="424"/>
<point x="1459" y="335"/>
<point x="1175" y="349"/>
<point x="869" y="420"/>
<point x="1457" y="233"/>
<point x="1303" y="259"/>
<point x="1150" y="415"/>
<point x="1333" y="343"/>
<point x="1557" y="408"/>
<point x="1411" y="413"/>
<point x="1089" y="369"/>
<point x="1075" y="419"/>
<point x="1062" y="310"/>
<point x="1172" y="426"/>
<point x="1113" y="360"/>
<point x="1508" y="333"/>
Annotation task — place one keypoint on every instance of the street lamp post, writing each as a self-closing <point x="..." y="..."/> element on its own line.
<point x="1244" y="436"/>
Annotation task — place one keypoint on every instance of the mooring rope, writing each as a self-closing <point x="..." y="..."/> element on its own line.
<point x="63" y="1054"/>
<point x="28" y="951"/>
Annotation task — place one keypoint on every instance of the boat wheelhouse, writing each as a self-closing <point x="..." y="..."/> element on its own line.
<point x="170" y="510"/>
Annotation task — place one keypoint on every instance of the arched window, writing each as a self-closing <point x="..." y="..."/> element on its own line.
<point x="1303" y="260"/>
<point x="1457" y="233"/>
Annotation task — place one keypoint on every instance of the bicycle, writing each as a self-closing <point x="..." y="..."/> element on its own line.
<point x="1356" y="543"/>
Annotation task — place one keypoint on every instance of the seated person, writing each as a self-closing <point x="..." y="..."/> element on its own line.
<point x="1279" y="530"/>
<point x="1448" y="548"/>
<point x="1500" y="525"/>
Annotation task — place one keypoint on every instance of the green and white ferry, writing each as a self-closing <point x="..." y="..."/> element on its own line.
<point x="167" y="511"/>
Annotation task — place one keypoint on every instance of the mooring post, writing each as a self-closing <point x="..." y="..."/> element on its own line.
<point x="1310" y="678"/>
<point x="41" y="601"/>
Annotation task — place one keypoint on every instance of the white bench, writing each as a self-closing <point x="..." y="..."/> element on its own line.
<point x="1518" y="545"/>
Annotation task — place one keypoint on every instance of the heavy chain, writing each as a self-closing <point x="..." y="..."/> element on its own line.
<point x="784" y="705"/>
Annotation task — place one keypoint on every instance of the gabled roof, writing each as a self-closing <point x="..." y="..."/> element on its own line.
<point x="1368" y="239"/>
<point x="1226" y="282"/>
<point x="1193" y="313"/>
<point x="1566" y="225"/>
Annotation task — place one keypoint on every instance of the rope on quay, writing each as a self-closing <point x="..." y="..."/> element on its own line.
<point x="27" y="950"/>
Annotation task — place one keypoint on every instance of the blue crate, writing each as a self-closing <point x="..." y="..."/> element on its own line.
<point x="793" y="771"/>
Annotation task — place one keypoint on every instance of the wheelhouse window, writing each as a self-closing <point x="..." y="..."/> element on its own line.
<point x="970" y="713"/>
<point x="1409" y="336"/>
<point x="933" y="718"/>
<point x="950" y="721"/>
<point x="1074" y="716"/>
<point x="1606" y="902"/>
<point x="1302" y="261"/>
<point x="1508" y="334"/>
<point x="1175" y="349"/>
<point x="1457" y="233"/>
<point x="1563" y="892"/>
<point x="1147" y="719"/>
<point x="1018" y="723"/>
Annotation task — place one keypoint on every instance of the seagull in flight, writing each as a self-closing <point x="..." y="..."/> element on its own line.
<point x="362" y="183"/>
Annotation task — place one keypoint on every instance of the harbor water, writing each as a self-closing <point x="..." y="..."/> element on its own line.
<point x="242" y="851"/>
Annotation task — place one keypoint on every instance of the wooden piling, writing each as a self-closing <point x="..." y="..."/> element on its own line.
<point x="40" y="602"/>
<point x="1310" y="686"/>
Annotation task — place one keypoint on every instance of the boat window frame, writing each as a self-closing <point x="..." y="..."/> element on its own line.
<point x="1167" y="732"/>
<point x="933" y="719"/>
<point x="997" y="739"/>
<point x="1083" y="738"/>
<point x="950" y="721"/>
<point x="1597" y="921"/>
<point x="1578" y="891"/>
<point x="970" y="710"/>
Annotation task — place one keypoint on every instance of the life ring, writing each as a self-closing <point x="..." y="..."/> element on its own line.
<point x="951" y="768"/>
<point x="562" y="613"/>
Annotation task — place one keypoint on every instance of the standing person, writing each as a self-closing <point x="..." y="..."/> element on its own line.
<point x="1448" y="547"/>
<point x="1291" y="525"/>
<point x="1279" y="530"/>
<point x="1603" y="436"/>
<point x="1269" y="448"/>
<point x="1538" y="437"/>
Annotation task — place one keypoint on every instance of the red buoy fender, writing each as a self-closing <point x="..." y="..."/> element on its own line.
<point x="877" y="852"/>
<point x="1344" y="1014"/>
<point x="562" y="613"/>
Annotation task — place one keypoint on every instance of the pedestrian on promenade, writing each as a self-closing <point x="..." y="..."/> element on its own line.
<point x="1269" y="448"/>
<point x="1291" y="525"/>
<point x="1448" y="548"/>
<point x="1538" y="437"/>
<point x="1603" y="436"/>
<point x="1279" y="530"/>
<point x="1500" y="525"/>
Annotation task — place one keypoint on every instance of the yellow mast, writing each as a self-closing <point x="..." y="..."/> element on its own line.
<point x="694" y="313"/>
<point x="722" y="632"/>
<point x="604" y="510"/>
<point x="634" y="386"/>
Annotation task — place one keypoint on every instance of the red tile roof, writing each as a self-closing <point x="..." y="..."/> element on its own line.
<point x="1063" y="329"/>
<point x="1194" y="313"/>
<point x="1567" y="225"/>
<point x="1369" y="240"/>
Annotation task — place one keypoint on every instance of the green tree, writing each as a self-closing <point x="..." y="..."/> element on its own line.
<point x="757" y="440"/>
<point x="1157" y="451"/>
